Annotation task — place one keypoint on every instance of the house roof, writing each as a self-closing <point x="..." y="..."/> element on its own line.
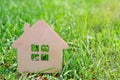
<point x="39" y="33"/>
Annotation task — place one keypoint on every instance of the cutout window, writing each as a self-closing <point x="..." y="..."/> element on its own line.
<point x="44" y="57"/>
<point x="44" y="48"/>
<point x="34" y="47"/>
<point x="35" y="57"/>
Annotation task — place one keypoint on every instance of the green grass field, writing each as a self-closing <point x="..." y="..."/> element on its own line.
<point x="90" y="27"/>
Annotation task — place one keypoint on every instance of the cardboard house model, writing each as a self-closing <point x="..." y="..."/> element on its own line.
<point x="39" y="49"/>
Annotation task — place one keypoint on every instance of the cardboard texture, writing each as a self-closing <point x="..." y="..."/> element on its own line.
<point x="39" y="49"/>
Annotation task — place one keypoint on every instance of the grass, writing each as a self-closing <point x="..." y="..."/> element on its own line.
<point x="90" y="27"/>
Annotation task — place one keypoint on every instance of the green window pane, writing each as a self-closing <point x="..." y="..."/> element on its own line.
<point x="44" y="57"/>
<point x="34" y="47"/>
<point x="44" y="48"/>
<point x="35" y="57"/>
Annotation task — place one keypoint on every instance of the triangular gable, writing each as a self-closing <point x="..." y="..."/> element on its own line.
<point x="40" y="28"/>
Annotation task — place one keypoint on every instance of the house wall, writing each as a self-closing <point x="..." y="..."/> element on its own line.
<point x="25" y="64"/>
<point x="23" y="60"/>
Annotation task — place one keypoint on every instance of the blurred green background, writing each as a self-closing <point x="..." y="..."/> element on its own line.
<point x="90" y="27"/>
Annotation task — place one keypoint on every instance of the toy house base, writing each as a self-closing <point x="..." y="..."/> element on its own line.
<point x="27" y="65"/>
<point x="37" y="43"/>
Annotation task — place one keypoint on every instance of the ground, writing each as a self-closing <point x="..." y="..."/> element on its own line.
<point x="90" y="27"/>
